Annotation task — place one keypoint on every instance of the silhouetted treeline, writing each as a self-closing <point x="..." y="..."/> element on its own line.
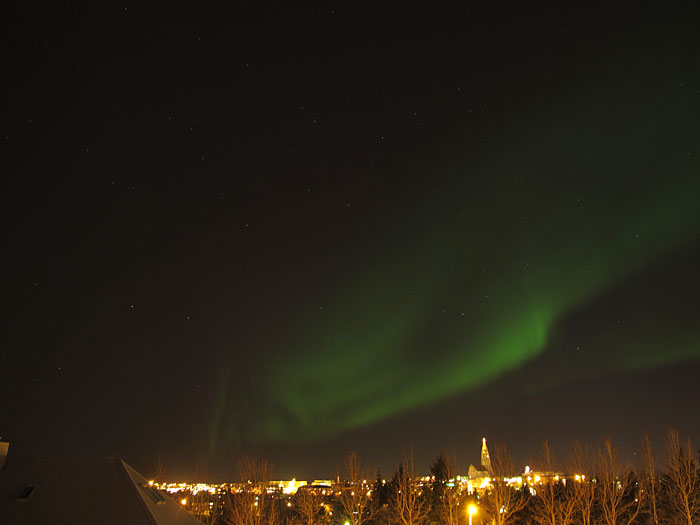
<point x="590" y="485"/>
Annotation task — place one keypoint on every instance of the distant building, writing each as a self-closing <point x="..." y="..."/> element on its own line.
<point x="479" y="475"/>
<point x="484" y="469"/>
<point x="83" y="492"/>
<point x="533" y="478"/>
<point x="320" y="487"/>
<point x="485" y="457"/>
<point x="287" y="487"/>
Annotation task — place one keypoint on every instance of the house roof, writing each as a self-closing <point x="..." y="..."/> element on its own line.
<point x="77" y="492"/>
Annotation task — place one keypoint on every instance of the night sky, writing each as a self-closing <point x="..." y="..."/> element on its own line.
<point x="298" y="232"/>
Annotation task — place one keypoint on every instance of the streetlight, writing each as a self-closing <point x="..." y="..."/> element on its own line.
<point x="472" y="510"/>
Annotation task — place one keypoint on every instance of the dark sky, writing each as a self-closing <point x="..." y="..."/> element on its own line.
<point x="296" y="232"/>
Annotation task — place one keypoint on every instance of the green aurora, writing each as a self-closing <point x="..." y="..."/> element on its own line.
<point x="558" y="215"/>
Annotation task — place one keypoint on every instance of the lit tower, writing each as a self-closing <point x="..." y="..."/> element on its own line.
<point x="485" y="458"/>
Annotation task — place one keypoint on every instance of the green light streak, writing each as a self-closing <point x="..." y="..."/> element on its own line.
<point x="474" y="290"/>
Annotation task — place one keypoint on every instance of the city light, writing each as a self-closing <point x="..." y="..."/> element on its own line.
<point x="480" y="484"/>
<point x="472" y="510"/>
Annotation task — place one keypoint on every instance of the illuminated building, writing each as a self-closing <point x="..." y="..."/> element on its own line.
<point x="479" y="476"/>
<point x="533" y="479"/>
<point x="288" y="487"/>
<point x="485" y="457"/>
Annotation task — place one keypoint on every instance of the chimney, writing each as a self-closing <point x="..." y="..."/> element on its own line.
<point x="4" y="447"/>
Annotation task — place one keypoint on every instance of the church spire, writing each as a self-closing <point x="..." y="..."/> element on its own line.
<point x="485" y="458"/>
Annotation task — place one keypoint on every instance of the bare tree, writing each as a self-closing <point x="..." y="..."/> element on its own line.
<point x="619" y="498"/>
<point x="309" y="509"/>
<point x="356" y="498"/>
<point x="683" y="479"/>
<point x="502" y="502"/>
<point x="251" y="506"/>
<point x="409" y="506"/>
<point x="154" y="469"/>
<point x="553" y="503"/>
<point x="272" y="513"/>
<point x="584" y="490"/>
<point x="649" y="481"/>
